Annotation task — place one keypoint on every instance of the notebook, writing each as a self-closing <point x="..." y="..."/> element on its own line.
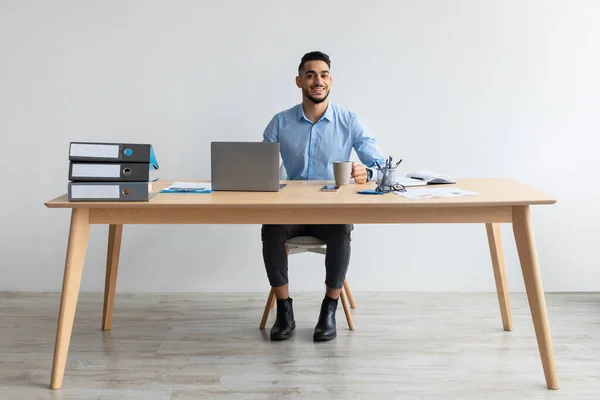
<point x="422" y="178"/>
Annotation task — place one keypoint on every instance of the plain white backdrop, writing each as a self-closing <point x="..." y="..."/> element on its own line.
<point x="467" y="88"/>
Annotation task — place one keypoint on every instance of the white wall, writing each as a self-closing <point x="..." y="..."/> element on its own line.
<point x="469" y="88"/>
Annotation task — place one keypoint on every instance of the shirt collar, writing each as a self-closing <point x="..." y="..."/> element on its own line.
<point x="328" y="115"/>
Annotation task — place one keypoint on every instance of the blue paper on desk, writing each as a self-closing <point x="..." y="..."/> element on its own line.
<point x="369" y="192"/>
<point x="188" y="187"/>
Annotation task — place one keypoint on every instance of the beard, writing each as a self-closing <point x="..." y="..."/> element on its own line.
<point x="315" y="99"/>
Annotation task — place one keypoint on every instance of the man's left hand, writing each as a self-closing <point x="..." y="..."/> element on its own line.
<point x="359" y="173"/>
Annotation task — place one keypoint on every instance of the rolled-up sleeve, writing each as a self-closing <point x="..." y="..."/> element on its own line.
<point x="366" y="147"/>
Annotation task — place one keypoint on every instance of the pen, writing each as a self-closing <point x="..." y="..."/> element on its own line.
<point x="398" y="163"/>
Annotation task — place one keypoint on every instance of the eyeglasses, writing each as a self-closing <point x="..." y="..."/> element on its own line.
<point x="397" y="187"/>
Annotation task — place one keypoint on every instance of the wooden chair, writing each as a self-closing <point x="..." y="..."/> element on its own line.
<point x="311" y="244"/>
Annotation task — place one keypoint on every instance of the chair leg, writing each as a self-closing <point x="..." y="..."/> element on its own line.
<point x="347" y="310"/>
<point x="274" y="301"/>
<point x="349" y="293"/>
<point x="270" y="302"/>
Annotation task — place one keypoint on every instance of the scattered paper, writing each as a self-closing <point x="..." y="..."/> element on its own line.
<point x="188" y="187"/>
<point x="434" y="193"/>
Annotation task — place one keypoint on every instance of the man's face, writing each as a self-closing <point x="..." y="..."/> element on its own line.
<point x="315" y="81"/>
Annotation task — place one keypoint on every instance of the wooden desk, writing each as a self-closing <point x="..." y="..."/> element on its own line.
<point x="499" y="200"/>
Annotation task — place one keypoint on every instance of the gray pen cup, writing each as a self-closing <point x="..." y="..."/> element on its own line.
<point x="390" y="176"/>
<point x="342" y="172"/>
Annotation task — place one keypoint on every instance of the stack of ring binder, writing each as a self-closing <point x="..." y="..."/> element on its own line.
<point x="111" y="171"/>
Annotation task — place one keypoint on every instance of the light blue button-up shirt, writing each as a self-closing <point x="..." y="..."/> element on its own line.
<point x="308" y="150"/>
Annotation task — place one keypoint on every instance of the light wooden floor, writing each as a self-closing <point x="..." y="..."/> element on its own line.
<point x="201" y="346"/>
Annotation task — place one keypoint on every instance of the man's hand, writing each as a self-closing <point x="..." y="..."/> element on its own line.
<point x="359" y="173"/>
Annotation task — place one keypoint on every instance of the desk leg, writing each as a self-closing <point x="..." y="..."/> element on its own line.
<point x="78" y="238"/>
<point x="535" y="293"/>
<point x="497" y="254"/>
<point x="115" y="233"/>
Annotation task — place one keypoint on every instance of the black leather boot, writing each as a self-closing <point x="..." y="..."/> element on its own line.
<point x="325" y="329"/>
<point x="284" y="323"/>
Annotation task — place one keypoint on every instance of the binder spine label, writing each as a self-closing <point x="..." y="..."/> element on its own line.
<point x="95" y="191"/>
<point x="96" y="170"/>
<point x="94" y="150"/>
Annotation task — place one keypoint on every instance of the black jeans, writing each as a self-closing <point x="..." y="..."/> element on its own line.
<point x="337" y="258"/>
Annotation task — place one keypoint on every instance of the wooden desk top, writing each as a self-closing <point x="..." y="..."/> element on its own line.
<point x="306" y="194"/>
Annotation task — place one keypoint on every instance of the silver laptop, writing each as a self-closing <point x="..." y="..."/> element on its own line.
<point x="245" y="166"/>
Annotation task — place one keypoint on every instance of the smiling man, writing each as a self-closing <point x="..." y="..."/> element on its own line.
<point x="312" y="135"/>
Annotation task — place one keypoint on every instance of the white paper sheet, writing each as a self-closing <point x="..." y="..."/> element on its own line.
<point x="434" y="193"/>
